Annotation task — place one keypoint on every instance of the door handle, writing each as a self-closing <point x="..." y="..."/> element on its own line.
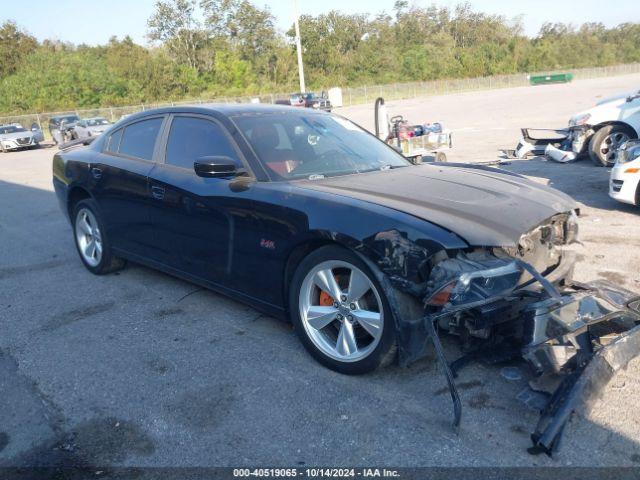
<point x="96" y="173"/>
<point x="157" y="192"/>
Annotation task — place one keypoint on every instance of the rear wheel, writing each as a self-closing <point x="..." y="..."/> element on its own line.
<point x="605" y="142"/>
<point x="341" y="313"/>
<point x="91" y="240"/>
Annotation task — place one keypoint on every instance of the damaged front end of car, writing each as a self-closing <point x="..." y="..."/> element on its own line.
<point x="520" y="302"/>
<point x="560" y="145"/>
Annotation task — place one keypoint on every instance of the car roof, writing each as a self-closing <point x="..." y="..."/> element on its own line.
<point x="227" y="109"/>
<point x="55" y="117"/>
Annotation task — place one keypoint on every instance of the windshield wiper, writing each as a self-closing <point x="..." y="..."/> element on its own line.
<point x="387" y="166"/>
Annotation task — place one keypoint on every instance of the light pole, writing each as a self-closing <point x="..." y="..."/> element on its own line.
<point x="298" y="47"/>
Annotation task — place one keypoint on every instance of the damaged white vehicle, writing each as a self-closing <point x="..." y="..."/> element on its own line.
<point x="598" y="132"/>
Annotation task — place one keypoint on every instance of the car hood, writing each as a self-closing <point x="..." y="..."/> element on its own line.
<point x="618" y="96"/>
<point x="13" y="136"/>
<point x="484" y="206"/>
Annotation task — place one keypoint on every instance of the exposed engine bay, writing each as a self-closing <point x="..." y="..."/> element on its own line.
<point x="520" y="302"/>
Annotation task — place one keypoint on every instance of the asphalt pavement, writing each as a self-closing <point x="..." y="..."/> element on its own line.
<point x="142" y="369"/>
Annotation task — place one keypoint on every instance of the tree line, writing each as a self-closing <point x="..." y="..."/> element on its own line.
<point x="211" y="48"/>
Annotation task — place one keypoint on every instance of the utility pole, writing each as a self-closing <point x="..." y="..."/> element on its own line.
<point x="298" y="47"/>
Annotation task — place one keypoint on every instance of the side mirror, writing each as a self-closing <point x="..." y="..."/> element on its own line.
<point x="216" y="167"/>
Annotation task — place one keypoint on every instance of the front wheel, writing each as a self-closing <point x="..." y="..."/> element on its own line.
<point x="91" y="240"/>
<point x="605" y="142"/>
<point x="341" y="313"/>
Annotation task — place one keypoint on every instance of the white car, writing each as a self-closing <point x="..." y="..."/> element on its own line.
<point x="602" y="129"/>
<point x="15" y="137"/>
<point x="90" y="127"/>
<point x="625" y="175"/>
<point x="598" y="132"/>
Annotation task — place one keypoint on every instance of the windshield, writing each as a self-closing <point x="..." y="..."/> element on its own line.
<point x="296" y="145"/>
<point x="94" y="122"/>
<point x="12" y="129"/>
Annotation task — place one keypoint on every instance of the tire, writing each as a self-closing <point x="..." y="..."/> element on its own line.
<point x="88" y="227"/>
<point x="606" y="141"/>
<point x="364" y="338"/>
<point x="2" y="149"/>
<point x="441" y="157"/>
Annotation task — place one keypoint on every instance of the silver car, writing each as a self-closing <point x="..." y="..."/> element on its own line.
<point x="15" y="137"/>
<point x="90" y="127"/>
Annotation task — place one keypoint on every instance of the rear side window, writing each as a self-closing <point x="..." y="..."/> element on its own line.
<point x="139" y="139"/>
<point x="191" y="138"/>
<point x="114" y="141"/>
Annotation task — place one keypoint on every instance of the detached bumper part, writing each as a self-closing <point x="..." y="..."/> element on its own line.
<point x="534" y="141"/>
<point x="560" y="145"/>
<point x="581" y="332"/>
<point x="560" y="156"/>
<point x="591" y="334"/>
<point x="581" y="387"/>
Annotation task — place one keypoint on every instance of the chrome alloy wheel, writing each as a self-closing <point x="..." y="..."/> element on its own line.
<point x="88" y="237"/>
<point x="610" y="144"/>
<point x="341" y="311"/>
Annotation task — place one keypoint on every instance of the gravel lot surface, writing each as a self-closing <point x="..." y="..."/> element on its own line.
<point x="141" y="369"/>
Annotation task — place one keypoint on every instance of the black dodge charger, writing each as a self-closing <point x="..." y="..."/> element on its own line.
<point x="306" y="216"/>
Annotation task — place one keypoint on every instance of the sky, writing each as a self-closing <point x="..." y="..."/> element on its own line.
<point x="94" y="22"/>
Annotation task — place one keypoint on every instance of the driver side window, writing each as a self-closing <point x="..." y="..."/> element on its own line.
<point x="191" y="138"/>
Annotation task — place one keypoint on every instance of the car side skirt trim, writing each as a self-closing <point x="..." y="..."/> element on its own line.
<point x="265" y="307"/>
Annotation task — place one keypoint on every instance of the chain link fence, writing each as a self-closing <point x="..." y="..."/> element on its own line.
<point x="350" y="95"/>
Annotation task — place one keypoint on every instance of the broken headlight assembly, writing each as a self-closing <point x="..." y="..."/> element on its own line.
<point x="471" y="279"/>
<point x="579" y="120"/>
